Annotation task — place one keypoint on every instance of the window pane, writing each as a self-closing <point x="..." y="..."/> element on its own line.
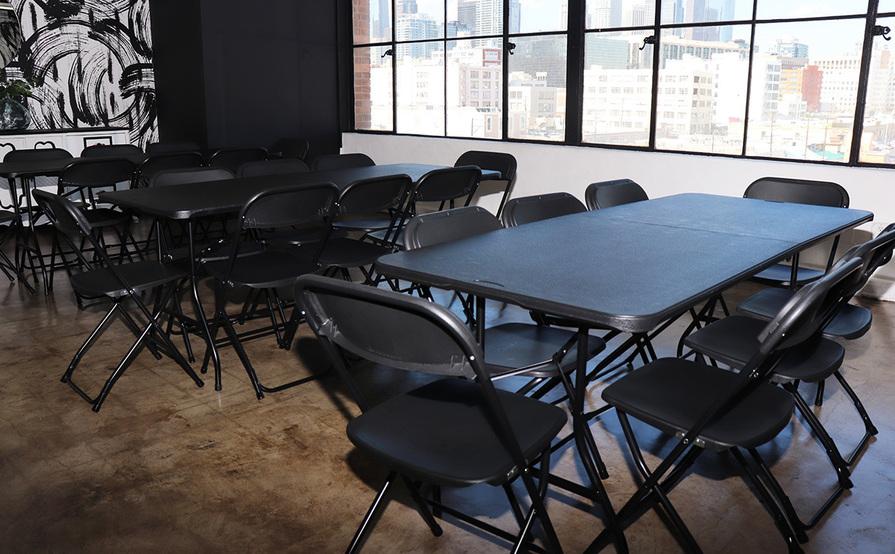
<point x="886" y="6"/>
<point x="372" y="21"/>
<point x="419" y="19"/>
<point x="537" y="88"/>
<point x="474" y="88"/>
<point x="474" y="18"/>
<point x="701" y="105"/>
<point x="781" y="9"/>
<point x="618" y="80"/>
<point x="704" y="11"/>
<point x="605" y="14"/>
<point x="878" y="140"/>
<point x="420" y="87"/>
<point x="372" y="89"/>
<point x="535" y="16"/>
<point x="804" y="89"/>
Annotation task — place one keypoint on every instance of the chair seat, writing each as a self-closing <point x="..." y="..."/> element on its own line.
<point x="345" y="252"/>
<point x="265" y="270"/>
<point x="295" y="237"/>
<point x="851" y="322"/>
<point x="6" y="216"/>
<point x="214" y="251"/>
<point x="139" y="276"/>
<point x="446" y="435"/>
<point x="105" y="217"/>
<point x="512" y="346"/>
<point x="672" y="394"/>
<point x="780" y="274"/>
<point x="734" y="340"/>
<point x="380" y="236"/>
<point x="365" y="223"/>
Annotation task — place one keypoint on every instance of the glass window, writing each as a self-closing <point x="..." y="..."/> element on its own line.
<point x="878" y="139"/>
<point x="706" y="11"/>
<point x="804" y="89"/>
<point x="787" y="9"/>
<point x="474" y="18"/>
<point x="617" y="114"/>
<point x="475" y="88"/>
<point x="703" y="74"/>
<point x="420" y="88"/>
<point x="538" y="16"/>
<point x="373" y="89"/>
<point x="537" y="88"/>
<point x="606" y="14"/>
<point x="886" y="6"/>
<point x="372" y="21"/>
<point x="419" y="19"/>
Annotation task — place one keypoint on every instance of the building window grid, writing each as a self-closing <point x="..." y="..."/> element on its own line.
<point x="655" y="29"/>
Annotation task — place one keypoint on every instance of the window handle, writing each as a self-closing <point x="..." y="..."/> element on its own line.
<point x="648" y="40"/>
<point x="882" y="31"/>
<point x="388" y="52"/>
<point x="511" y="46"/>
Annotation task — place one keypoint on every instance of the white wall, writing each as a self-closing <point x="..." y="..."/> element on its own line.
<point x="547" y="168"/>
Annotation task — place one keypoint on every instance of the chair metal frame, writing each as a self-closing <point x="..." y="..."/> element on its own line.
<point x="506" y="164"/>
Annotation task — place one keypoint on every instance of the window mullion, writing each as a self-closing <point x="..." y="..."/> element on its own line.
<point x="575" y="71"/>
<point x="863" y="76"/>
<point x="505" y="100"/>
<point x="749" y="78"/>
<point x="657" y="55"/>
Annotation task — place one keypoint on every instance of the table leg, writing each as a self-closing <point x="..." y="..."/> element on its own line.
<point x="26" y="191"/>
<point x="21" y="236"/>
<point x="197" y="306"/>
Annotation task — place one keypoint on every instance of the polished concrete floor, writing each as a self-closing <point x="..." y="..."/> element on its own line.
<point x="168" y="467"/>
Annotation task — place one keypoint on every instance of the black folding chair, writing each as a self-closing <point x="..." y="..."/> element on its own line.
<point x="294" y="148"/>
<point x="607" y="194"/>
<point x="493" y="161"/>
<point x="799" y="191"/>
<point x="121" y="284"/>
<point x="7" y="229"/>
<point x="529" y="209"/>
<point x="456" y="431"/>
<point x="158" y="148"/>
<point x="156" y="163"/>
<point x="232" y="158"/>
<point x="283" y="166"/>
<point x="271" y="267"/>
<point x="127" y="151"/>
<point x="329" y="162"/>
<point x="709" y="408"/>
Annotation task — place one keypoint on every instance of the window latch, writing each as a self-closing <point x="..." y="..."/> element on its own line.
<point x="882" y="31"/>
<point x="648" y="40"/>
<point x="388" y="52"/>
<point x="511" y="47"/>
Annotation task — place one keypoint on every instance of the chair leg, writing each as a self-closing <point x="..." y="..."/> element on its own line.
<point x="88" y="342"/>
<point x="224" y="322"/>
<point x="870" y="429"/>
<point x="839" y="464"/>
<point x="375" y="509"/>
<point x="423" y="507"/>
<point x="819" y="396"/>
<point x="125" y="363"/>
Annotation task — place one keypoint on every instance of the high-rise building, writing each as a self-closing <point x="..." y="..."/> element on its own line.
<point x="481" y="17"/>
<point x="383" y="20"/>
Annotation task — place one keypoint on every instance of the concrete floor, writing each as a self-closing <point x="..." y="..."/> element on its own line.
<point x="169" y="467"/>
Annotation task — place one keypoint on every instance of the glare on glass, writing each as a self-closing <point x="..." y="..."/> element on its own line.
<point x="784" y="9"/>
<point x="607" y="14"/>
<point x="537" y="88"/>
<point x="419" y="19"/>
<point x="536" y="16"/>
<point x="420" y="87"/>
<point x="701" y="100"/>
<point x="372" y="21"/>
<point x="372" y="89"/>
<point x="707" y="11"/>
<point x="618" y="81"/>
<point x="474" y="18"/>
<point x="878" y="138"/>
<point x="804" y="89"/>
<point x="475" y="88"/>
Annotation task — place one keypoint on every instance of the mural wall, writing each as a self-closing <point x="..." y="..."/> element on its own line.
<point x="90" y="63"/>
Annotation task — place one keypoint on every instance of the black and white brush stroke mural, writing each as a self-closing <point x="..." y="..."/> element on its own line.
<point x="90" y="63"/>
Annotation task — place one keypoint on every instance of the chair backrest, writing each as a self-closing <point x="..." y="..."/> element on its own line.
<point x="38" y="154"/>
<point x="494" y="161"/>
<point x="170" y="177"/>
<point x="156" y="148"/>
<point x="874" y="253"/>
<point x="798" y="191"/>
<point x="98" y="172"/>
<point x="232" y="158"/>
<point x="607" y="194"/>
<point x="341" y="161"/>
<point x="156" y="163"/>
<point x="285" y="166"/>
<point x="129" y="151"/>
<point x="68" y="220"/>
<point x="296" y="148"/>
<point x="529" y="209"/>
<point x="448" y="184"/>
<point x="376" y="195"/>
<point x="448" y="226"/>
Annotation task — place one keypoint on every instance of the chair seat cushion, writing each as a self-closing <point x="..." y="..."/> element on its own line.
<point x="105" y="217"/>
<point x="780" y="274"/>
<point x="851" y="322"/>
<point x="442" y="432"/>
<point x="267" y="269"/>
<point x="138" y="276"/>
<point x="365" y="223"/>
<point x="346" y="252"/>
<point x="734" y="340"/>
<point x="513" y="346"/>
<point x="672" y="394"/>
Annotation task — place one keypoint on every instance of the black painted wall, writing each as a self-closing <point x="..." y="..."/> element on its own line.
<point x="231" y="73"/>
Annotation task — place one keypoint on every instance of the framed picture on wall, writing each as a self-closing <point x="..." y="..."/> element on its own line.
<point x="93" y="141"/>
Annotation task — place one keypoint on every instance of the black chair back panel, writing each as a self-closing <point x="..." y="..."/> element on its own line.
<point x="529" y="209"/>
<point x="296" y="206"/>
<point x="129" y="151"/>
<point x="37" y="155"/>
<point x="285" y="166"/>
<point x="233" y="158"/>
<point x="607" y="194"/>
<point x="295" y="148"/>
<point x="374" y="195"/>
<point x="158" y="148"/>
<point x="98" y="172"/>
<point x="495" y="161"/>
<point x="163" y="162"/>
<point x="171" y="177"/>
<point x="448" y="226"/>
<point x="341" y="161"/>
<point x="878" y="251"/>
<point x="452" y="183"/>
<point x="798" y="191"/>
<point x="65" y="216"/>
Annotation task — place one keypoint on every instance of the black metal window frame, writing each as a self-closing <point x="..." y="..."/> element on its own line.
<point x="576" y="33"/>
